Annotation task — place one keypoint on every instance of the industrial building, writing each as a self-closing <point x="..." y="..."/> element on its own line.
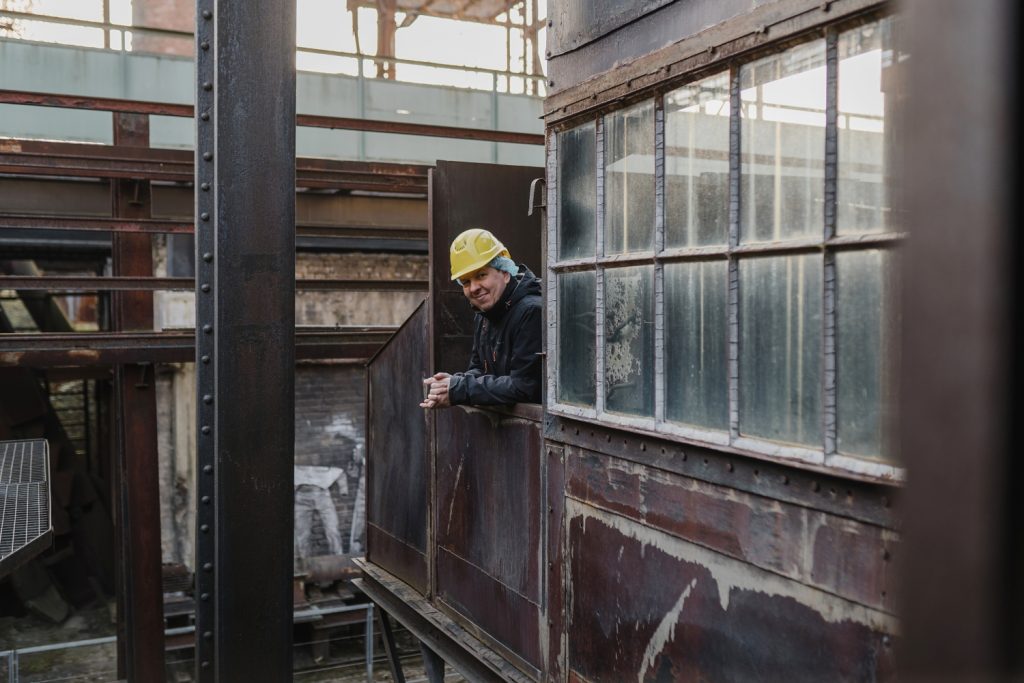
<point x="777" y="255"/>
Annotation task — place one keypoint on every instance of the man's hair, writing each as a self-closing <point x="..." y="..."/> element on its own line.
<point x="504" y="263"/>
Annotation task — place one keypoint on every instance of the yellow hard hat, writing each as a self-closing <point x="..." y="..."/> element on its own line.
<point x="474" y="249"/>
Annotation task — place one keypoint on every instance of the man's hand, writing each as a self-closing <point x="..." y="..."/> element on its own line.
<point x="437" y="391"/>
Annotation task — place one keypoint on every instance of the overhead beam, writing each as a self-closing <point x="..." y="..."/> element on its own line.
<point x="62" y="283"/>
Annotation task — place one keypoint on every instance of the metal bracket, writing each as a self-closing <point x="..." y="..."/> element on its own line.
<point x="533" y="196"/>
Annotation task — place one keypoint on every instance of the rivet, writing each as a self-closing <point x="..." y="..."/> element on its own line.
<point x="551" y="83"/>
<point x="206" y="500"/>
<point x="730" y="467"/>
<point x="577" y="431"/>
<point x="207" y="328"/>
<point x="206" y="430"/>
<point x="205" y="360"/>
<point x="205" y="665"/>
<point x="550" y="23"/>
<point x="816" y="487"/>
<point x="551" y="510"/>
<point x="785" y="479"/>
<point x="207" y="634"/>
<point x="551" y="565"/>
<point x="207" y="399"/>
<point x="643" y="446"/>
<point x="208" y="155"/>
<point x="208" y="567"/>
<point x="204" y="216"/>
<point x="608" y="438"/>
<point x="826" y="6"/>
<point x="207" y="256"/>
<point x="207" y="86"/>
<point x="205" y="187"/>
<point x="208" y="469"/>
<point x="205" y="116"/>
<point x="548" y="54"/>
<point x="204" y="528"/>
<point x="886" y="554"/>
<point x="205" y="45"/>
<point x="204" y="597"/>
<point x="886" y="640"/>
<point x="207" y="14"/>
<point x="205" y="287"/>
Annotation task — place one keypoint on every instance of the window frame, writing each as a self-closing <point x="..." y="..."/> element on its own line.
<point x="827" y="244"/>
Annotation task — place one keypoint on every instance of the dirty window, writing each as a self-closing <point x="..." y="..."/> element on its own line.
<point x="696" y="350"/>
<point x="577" y="337"/>
<point x="629" y="179"/>
<point x="782" y="145"/>
<point x="697" y="163"/>
<point x="577" y="192"/>
<point x="867" y="75"/>
<point x="865" y="317"/>
<point x="629" y="340"/>
<point x="780" y="348"/>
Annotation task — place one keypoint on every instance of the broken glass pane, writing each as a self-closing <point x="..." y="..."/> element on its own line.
<point x="697" y="163"/>
<point x="780" y="348"/>
<point x="577" y="192"/>
<point x="696" y="343"/>
<point x="782" y="145"/>
<point x="577" y="338"/>
<point x="629" y="179"/>
<point x="868" y="87"/>
<point x="629" y="340"/>
<point x="864" y="351"/>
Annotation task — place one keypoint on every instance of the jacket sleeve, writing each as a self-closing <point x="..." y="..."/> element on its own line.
<point x="521" y="385"/>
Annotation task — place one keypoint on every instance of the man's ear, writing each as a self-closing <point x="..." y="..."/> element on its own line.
<point x="507" y="275"/>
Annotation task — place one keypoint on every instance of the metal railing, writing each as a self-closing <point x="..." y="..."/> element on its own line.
<point x="501" y="81"/>
<point x="13" y="656"/>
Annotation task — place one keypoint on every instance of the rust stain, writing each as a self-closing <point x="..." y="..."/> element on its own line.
<point x="10" y="146"/>
<point x="84" y="354"/>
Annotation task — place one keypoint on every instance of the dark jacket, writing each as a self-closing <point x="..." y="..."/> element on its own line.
<point x="505" y="367"/>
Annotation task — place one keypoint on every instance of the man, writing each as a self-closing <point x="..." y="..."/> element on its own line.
<point x="505" y="367"/>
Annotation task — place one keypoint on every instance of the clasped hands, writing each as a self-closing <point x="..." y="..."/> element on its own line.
<point x="436" y="391"/>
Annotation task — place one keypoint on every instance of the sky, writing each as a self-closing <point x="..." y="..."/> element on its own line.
<point x="325" y="24"/>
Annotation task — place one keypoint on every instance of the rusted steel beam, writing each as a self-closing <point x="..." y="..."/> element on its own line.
<point x="140" y="592"/>
<point x="60" y="283"/>
<point x="121" y="225"/>
<point x="245" y="308"/>
<point x="44" y="158"/>
<point x="157" y="226"/>
<point x="108" y="348"/>
<point x="308" y="120"/>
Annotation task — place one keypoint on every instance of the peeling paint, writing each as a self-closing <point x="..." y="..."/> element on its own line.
<point x="732" y="575"/>
<point x="666" y="631"/>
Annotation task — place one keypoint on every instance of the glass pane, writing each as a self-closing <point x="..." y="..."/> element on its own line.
<point x="782" y="145"/>
<point x="780" y="348"/>
<point x="865" y="327"/>
<point x="868" y="90"/>
<point x="696" y="343"/>
<point x="697" y="163"/>
<point x="577" y="338"/>
<point x="629" y="180"/>
<point x="577" y="192"/>
<point x="629" y="340"/>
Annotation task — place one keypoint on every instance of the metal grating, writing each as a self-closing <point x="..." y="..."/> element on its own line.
<point x="25" y="525"/>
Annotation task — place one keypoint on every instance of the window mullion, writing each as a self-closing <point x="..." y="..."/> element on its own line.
<point x="734" y="238"/>
<point x="659" y="273"/>
<point x="599" y="278"/>
<point x="552" y="345"/>
<point x="829" y="412"/>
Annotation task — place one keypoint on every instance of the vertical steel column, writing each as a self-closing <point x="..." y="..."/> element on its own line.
<point x="140" y="591"/>
<point x="245" y="289"/>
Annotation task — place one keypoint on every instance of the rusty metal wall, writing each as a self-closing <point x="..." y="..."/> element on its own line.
<point x="398" y="465"/>
<point x="489" y="516"/>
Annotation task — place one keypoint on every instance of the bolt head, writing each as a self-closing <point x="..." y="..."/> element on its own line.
<point x="208" y="156"/>
<point x="205" y="187"/>
<point x="208" y="469"/>
<point x="206" y="500"/>
<point x="207" y="430"/>
<point x="207" y="256"/>
<point x="205" y="360"/>
<point x="205" y="45"/>
<point x="207" y="86"/>
<point x="207" y="14"/>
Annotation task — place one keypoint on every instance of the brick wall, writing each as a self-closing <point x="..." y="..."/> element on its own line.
<point x="178" y="15"/>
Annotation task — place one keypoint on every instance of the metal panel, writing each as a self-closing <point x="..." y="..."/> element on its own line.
<point x="488" y="511"/>
<point x="245" y="246"/>
<point x="397" y="457"/>
<point x="677" y="611"/>
<point x="463" y="196"/>
<point x="25" y="525"/>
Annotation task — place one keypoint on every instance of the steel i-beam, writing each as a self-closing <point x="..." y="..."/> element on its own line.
<point x="245" y="279"/>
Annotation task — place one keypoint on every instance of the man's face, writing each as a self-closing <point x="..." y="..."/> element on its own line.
<point x="484" y="287"/>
